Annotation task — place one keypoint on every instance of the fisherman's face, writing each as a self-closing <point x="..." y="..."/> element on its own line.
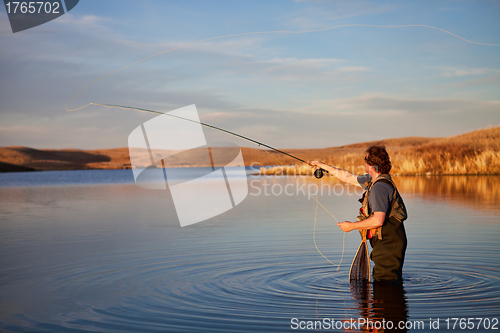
<point x="367" y="166"/>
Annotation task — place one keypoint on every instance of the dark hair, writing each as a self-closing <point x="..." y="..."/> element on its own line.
<point x="378" y="158"/>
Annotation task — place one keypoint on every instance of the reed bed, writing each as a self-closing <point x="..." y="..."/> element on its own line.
<point x="290" y="170"/>
<point x="437" y="163"/>
<point x="475" y="153"/>
<point x="447" y="161"/>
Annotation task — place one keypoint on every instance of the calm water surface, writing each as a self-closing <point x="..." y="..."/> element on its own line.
<point x="91" y="251"/>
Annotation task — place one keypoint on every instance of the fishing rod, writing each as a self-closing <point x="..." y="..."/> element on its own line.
<point x="318" y="173"/>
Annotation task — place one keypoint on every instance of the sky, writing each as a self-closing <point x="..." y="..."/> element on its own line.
<point x="289" y="90"/>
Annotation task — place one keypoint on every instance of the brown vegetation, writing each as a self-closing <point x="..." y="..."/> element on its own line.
<point x="472" y="153"/>
<point x="476" y="152"/>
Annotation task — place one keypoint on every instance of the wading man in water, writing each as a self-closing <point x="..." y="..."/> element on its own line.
<point x="382" y="213"/>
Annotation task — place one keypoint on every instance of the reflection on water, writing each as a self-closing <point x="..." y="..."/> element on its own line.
<point x="477" y="192"/>
<point x="383" y="307"/>
<point x="112" y="257"/>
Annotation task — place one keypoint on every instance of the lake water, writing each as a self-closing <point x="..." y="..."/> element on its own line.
<point x="91" y="251"/>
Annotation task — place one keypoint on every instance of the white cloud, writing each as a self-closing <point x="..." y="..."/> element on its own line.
<point x="83" y="22"/>
<point x="490" y="80"/>
<point x="357" y="69"/>
<point x="30" y="130"/>
<point x="301" y="69"/>
<point x="225" y="116"/>
<point x="286" y="69"/>
<point x="458" y="72"/>
<point x="322" y="13"/>
<point x="389" y="105"/>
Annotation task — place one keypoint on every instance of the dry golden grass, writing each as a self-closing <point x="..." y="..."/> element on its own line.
<point x="484" y="139"/>
<point x="472" y="153"/>
<point x="294" y="170"/>
<point x="475" y="153"/>
<point x="487" y="162"/>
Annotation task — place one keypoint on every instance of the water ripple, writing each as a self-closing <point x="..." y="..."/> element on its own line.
<point x="222" y="294"/>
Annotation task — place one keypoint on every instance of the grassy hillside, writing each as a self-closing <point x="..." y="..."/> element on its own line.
<point x="476" y="152"/>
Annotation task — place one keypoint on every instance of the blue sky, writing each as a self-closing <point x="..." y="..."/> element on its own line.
<point x="310" y="90"/>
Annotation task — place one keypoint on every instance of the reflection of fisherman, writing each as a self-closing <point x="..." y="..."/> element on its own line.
<point x="383" y="213"/>
<point x="386" y="303"/>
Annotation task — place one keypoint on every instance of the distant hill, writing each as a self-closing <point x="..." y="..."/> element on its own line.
<point x="475" y="152"/>
<point x="8" y="167"/>
<point x="65" y="159"/>
<point x="469" y="153"/>
<point x="411" y="141"/>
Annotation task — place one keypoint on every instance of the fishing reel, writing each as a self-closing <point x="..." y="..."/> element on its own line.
<point x="318" y="173"/>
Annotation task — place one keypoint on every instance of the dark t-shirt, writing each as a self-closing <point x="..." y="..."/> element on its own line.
<point x="381" y="194"/>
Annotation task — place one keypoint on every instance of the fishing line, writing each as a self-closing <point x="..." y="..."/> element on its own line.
<point x="269" y="32"/>
<point x="260" y="145"/>
<point x="318" y="172"/>
<point x="314" y="237"/>
<point x="315" y="219"/>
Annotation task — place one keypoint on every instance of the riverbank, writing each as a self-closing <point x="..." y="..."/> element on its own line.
<point x="476" y="152"/>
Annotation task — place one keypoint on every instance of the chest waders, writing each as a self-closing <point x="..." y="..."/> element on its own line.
<point x="388" y="241"/>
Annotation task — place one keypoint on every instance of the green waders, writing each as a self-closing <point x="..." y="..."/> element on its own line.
<point x="388" y="253"/>
<point x="389" y="241"/>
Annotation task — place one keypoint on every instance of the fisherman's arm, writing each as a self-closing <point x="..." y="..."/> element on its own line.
<point x="340" y="174"/>
<point x="373" y="222"/>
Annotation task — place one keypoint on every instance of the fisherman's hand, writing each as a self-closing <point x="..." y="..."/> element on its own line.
<point x="346" y="226"/>
<point x="317" y="164"/>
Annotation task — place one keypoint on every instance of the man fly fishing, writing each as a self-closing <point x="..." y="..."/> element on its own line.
<point x="381" y="215"/>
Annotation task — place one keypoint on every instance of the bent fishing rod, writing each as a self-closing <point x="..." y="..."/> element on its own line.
<point x="318" y="173"/>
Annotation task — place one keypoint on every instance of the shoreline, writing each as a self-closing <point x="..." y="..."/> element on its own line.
<point x="474" y="153"/>
<point x="24" y="170"/>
